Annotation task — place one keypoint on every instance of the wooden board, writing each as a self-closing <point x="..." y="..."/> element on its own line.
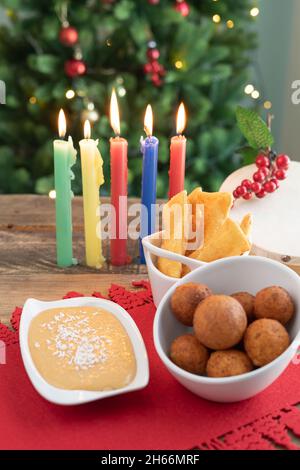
<point x="16" y="288"/>
<point x="28" y="255"/>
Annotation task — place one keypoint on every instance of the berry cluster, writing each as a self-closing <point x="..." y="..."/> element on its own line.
<point x="153" y="67"/>
<point x="270" y="170"/>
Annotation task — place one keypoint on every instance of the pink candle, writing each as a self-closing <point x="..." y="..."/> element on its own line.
<point x="119" y="172"/>
<point x="178" y="155"/>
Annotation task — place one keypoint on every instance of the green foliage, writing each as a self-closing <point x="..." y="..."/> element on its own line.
<point x="113" y="38"/>
<point x="254" y="129"/>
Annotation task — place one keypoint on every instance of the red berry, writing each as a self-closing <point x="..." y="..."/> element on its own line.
<point x="247" y="184"/>
<point x="241" y="190"/>
<point x="265" y="171"/>
<point x="261" y="194"/>
<point x="282" y="162"/>
<point x="235" y="194"/>
<point x="153" y="54"/>
<point x="280" y="175"/>
<point x="270" y="187"/>
<point x="259" y="176"/>
<point x="262" y="161"/>
<point x="275" y="181"/>
<point x="248" y="196"/>
<point x="256" y="187"/>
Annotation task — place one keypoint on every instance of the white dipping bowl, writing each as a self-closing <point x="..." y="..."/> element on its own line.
<point x="227" y="276"/>
<point x="60" y="396"/>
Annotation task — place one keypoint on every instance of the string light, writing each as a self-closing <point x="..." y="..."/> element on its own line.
<point x="32" y="100"/>
<point x="90" y="106"/>
<point x="52" y="194"/>
<point x="255" y="94"/>
<point x="70" y="94"/>
<point x="254" y="11"/>
<point x="121" y="91"/>
<point x="178" y="64"/>
<point x="216" y="18"/>
<point x="267" y="105"/>
<point x="249" y="89"/>
<point x="108" y="42"/>
<point x="230" y="24"/>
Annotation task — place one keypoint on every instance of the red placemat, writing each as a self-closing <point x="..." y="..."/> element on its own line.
<point x="162" y="416"/>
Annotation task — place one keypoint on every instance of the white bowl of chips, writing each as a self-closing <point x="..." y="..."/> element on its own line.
<point x="169" y="258"/>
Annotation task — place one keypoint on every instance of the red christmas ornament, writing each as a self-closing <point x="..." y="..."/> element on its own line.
<point x="75" y="67"/>
<point x="153" y="68"/>
<point x="182" y="7"/>
<point x="153" y="54"/>
<point x="68" y="36"/>
<point x="156" y="80"/>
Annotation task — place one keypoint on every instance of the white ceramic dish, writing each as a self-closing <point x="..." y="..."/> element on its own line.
<point x="59" y="396"/>
<point x="225" y="277"/>
<point x="160" y="283"/>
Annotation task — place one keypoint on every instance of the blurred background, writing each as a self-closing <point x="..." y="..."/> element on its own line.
<point x="211" y="54"/>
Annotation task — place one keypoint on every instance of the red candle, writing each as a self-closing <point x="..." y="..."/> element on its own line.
<point x="178" y="155"/>
<point x="119" y="176"/>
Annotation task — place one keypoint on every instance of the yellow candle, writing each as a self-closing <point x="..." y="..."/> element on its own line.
<point x="92" y="179"/>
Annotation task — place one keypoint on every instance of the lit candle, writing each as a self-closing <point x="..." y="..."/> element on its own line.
<point x="92" y="179"/>
<point x="64" y="159"/>
<point x="178" y="155"/>
<point x="149" y="148"/>
<point x="119" y="176"/>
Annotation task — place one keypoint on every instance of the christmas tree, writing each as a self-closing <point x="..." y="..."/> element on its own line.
<point x="69" y="55"/>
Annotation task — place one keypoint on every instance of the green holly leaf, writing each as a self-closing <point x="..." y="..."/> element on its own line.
<point x="248" y="154"/>
<point x="254" y="129"/>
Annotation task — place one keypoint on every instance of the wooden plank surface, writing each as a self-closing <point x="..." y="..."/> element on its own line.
<point x="16" y="288"/>
<point x="28" y="255"/>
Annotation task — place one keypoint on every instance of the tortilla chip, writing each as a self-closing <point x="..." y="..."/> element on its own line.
<point x="229" y="241"/>
<point x="185" y="270"/>
<point x="246" y="224"/>
<point x="216" y="210"/>
<point x="175" y="220"/>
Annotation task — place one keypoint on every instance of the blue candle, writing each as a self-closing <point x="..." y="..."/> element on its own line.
<point x="149" y="149"/>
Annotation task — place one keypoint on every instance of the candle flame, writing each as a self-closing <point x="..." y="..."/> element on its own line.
<point x="181" y="119"/>
<point x="87" y="129"/>
<point x="62" y="125"/>
<point x="114" y="113"/>
<point x="148" y="122"/>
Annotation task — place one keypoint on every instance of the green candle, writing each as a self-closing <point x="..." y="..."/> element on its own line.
<point x="64" y="159"/>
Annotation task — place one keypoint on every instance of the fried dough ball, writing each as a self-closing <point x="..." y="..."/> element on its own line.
<point x="220" y="322"/>
<point x="265" y="340"/>
<point x="228" y="363"/>
<point x="185" y="300"/>
<point x="274" y="302"/>
<point x="247" y="302"/>
<point x="186" y="352"/>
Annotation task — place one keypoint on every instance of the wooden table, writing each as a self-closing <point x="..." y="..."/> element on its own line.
<point x="28" y="255"/>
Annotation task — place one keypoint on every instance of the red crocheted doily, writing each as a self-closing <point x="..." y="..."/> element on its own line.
<point x="162" y="416"/>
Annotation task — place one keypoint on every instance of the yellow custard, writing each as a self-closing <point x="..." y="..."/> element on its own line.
<point x="81" y="348"/>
